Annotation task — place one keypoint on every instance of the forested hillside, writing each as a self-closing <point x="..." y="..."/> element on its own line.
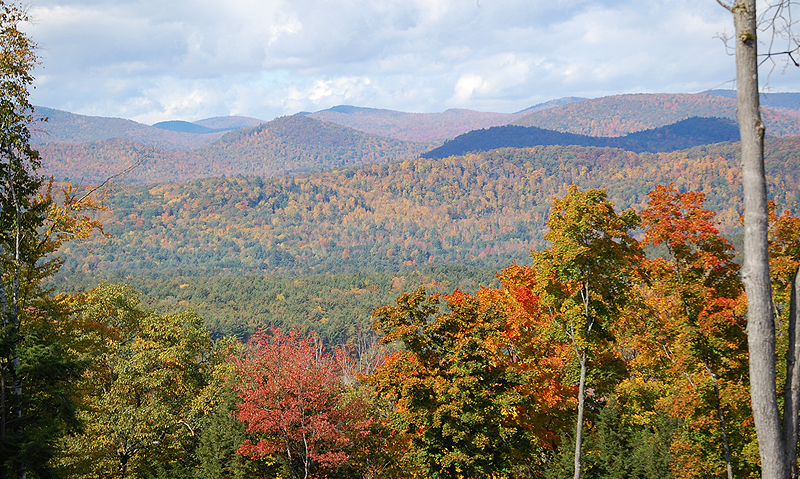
<point x="678" y="136"/>
<point x="336" y="306"/>
<point x="621" y="114"/>
<point x="485" y="209"/>
<point x="287" y="145"/>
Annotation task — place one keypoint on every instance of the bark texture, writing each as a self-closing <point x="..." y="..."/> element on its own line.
<point x="791" y="389"/>
<point x="755" y="273"/>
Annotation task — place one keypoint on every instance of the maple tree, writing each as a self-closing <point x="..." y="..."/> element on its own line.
<point x="691" y="335"/>
<point x="586" y="277"/>
<point x="461" y="401"/>
<point x="292" y="398"/>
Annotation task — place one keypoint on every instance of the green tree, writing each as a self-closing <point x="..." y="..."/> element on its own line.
<point x="35" y="367"/>
<point x="144" y="370"/>
<point x="585" y="279"/>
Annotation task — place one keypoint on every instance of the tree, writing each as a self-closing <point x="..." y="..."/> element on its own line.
<point x="695" y="295"/>
<point x="778" y="453"/>
<point x="143" y="372"/>
<point x="459" y="397"/>
<point x="784" y="268"/>
<point x="292" y="398"/>
<point x="586" y="277"/>
<point x="221" y="433"/>
<point x="35" y="364"/>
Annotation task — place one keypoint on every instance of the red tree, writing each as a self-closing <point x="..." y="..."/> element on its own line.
<point x="292" y="395"/>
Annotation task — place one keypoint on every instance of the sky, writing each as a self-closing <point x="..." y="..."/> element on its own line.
<point x="158" y="60"/>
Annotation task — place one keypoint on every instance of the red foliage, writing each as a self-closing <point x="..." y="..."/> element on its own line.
<point x="291" y="394"/>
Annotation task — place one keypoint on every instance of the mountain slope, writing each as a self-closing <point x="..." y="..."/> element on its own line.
<point x="678" y="136"/>
<point x="65" y="127"/>
<point x="486" y="209"/>
<point x="621" y="114"/>
<point x="287" y="145"/>
<point x="424" y="126"/>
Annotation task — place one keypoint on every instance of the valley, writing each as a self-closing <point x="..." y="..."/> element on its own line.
<point x="299" y="197"/>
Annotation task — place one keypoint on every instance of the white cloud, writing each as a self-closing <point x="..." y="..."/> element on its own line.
<point x="157" y="60"/>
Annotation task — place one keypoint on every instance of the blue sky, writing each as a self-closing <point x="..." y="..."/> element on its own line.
<point x="156" y="60"/>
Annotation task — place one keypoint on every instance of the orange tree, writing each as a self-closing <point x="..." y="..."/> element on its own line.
<point x="687" y="340"/>
<point x="460" y="399"/>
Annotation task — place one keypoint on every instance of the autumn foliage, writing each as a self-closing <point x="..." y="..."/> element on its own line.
<point x="619" y="351"/>
<point x="291" y="396"/>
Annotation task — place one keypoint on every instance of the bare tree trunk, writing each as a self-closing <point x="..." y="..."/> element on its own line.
<point x="791" y="389"/>
<point x="726" y="447"/>
<point x="755" y="273"/>
<point x="579" y="427"/>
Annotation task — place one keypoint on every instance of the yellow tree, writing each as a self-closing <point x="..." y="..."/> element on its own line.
<point x="585" y="279"/>
<point x="144" y="370"/>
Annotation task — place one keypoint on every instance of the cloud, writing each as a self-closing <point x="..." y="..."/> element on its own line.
<point x="156" y="60"/>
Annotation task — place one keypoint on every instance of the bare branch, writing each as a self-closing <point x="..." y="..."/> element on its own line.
<point x="142" y="158"/>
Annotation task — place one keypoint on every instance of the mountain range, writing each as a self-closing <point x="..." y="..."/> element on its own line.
<point x="287" y="145"/>
<point x="684" y="134"/>
<point x="232" y="222"/>
<point x="89" y="149"/>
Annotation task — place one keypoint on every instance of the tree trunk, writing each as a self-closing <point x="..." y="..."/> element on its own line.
<point x="579" y="427"/>
<point x="791" y="389"/>
<point x="726" y="447"/>
<point x="755" y="273"/>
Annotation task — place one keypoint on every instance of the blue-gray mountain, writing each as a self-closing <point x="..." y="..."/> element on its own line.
<point x="678" y="136"/>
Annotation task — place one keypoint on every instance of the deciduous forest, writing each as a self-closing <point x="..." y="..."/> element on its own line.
<point x="299" y="299"/>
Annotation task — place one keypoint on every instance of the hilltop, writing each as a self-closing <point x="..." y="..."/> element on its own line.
<point x="609" y="116"/>
<point x="622" y="114"/>
<point x="287" y="145"/>
<point x="423" y="127"/>
<point x="678" y="136"/>
<point x="64" y="127"/>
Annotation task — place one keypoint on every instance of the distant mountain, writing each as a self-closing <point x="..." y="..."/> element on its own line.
<point x="787" y="102"/>
<point x="184" y="127"/>
<point x="550" y="104"/>
<point x="65" y="127"/>
<point x="423" y="126"/>
<point x="229" y="122"/>
<point x="287" y="145"/>
<point x="622" y="114"/>
<point x="678" y="136"/>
